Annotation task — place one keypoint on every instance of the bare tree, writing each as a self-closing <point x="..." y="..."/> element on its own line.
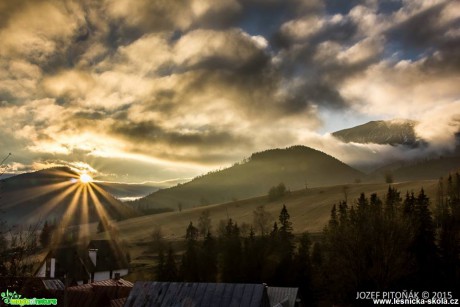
<point x="262" y="220"/>
<point x="17" y="259"/>
<point x="204" y="223"/>
<point x="157" y="238"/>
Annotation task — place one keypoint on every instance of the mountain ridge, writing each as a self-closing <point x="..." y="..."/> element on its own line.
<point x="296" y="166"/>
<point x="54" y="193"/>
<point x="393" y="132"/>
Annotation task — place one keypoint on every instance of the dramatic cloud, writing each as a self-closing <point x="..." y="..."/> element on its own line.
<point x="153" y="90"/>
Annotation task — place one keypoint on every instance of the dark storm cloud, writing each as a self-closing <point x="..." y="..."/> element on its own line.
<point x="208" y="81"/>
<point x="172" y="16"/>
<point x="150" y="133"/>
<point x="446" y="61"/>
<point x="344" y="32"/>
<point x="247" y="57"/>
<point x="8" y="8"/>
<point x="429" y="32"/>
<point x="188" y="146"/>
<point x="90" y="115"/>
<point x="422" y="30"/>
<point x="140" y="14"/>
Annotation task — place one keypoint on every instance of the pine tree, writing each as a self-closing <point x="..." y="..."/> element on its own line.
<point x="283" y="249"/>
<point x="286" y="224"/>
<point x="170" y="272"/>
<point x="191" y="233"/>
<point x="45" y="235"/>
<point x="409" y="206"/>
<point x="333" y="221"/>
<point x="190" y="263"/>
<point x="448" y="221"/>
<point x="343" y="213"/>
<point x="424" y="247"/>
<point x="208" y="259"/>
<point x="392" y="201"/>
<point x="302" y="263"/>
<point x="204" y="223"/>
<point x="231" y="254"/>
<point x="362" y="204"/>
<point x="159" y="269"/>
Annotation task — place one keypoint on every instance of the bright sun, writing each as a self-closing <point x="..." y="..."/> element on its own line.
<point x="85" y="178"/>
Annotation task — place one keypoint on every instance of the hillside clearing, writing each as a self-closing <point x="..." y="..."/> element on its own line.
<point x="309" y="210"/>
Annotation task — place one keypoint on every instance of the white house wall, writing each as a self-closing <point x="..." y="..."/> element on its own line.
<point x="122" y="272"/>
<point x="101" y="275"/>
<point x="42" y="271"/>
<point x="106" y="274"/>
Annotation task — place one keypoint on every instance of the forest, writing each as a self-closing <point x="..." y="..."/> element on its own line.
<point x="375" y="244"/>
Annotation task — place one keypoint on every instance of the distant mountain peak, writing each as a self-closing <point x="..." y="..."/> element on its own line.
<point x="393" y="132"/>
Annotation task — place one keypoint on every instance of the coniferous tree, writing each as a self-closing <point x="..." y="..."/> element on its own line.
<point x="275" y="230"/>
<point x="46" y="234"/>
<point x="285" y="223"/>
<point x="424" y="247"/>
<point x="362" y="204"/>
<point x="343" y="212"/>
<point x="159" y="269"/>
<point x="302" y="266"/>
<point x="448" y="222"/>
<point x="190" y="270"/>
<point x="191" y="233"/>
<point x="286" y="236"/>
<point x="365" y="248"/>
<point x="409" y="206"/>
<point x="333" y="220"/>
<point x="208" y="259"/>
<point x="170" y="272"/>
<point x="204" y="223"/>
<point x="392" y="201"/>
<point x="231" y="254"/>
<point x="283" y="249"/>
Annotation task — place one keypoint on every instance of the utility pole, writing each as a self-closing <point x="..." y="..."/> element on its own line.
<point x="3" y="161"/>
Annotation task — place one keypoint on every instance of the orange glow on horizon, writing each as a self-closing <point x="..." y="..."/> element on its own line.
<point x="85" y="178"/>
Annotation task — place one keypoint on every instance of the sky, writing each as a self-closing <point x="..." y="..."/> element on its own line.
<point x="154" y="90"/>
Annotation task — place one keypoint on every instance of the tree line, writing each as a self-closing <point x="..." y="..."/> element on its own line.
<point x="374" y="244"/>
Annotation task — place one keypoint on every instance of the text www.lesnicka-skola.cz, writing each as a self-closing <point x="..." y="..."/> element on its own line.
<point x="408" y="297"/>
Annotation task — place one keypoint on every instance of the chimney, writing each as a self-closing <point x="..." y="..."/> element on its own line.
<point x="93" y="255"/>
<point x="52" y="267"/>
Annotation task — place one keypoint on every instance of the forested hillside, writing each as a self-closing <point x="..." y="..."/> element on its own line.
<point x="297" y="167"/>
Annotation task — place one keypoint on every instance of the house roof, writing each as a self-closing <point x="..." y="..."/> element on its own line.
<point x="74" y="261"/>
<point x="109" y="255"/>
<point x="30" y="284"/>
<point x="282" y="296"/>
<point x="118" y="302"/>
<point x="33" y="287"/>
<point x="53" y="284"/>
<point x="100" y="293"/>
<point x="113" y="283"/>
<point x="70" y="261"/>
<point x="197" y="294"/>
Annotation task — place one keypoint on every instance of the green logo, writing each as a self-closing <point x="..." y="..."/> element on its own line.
<point x="12" y="298"/>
